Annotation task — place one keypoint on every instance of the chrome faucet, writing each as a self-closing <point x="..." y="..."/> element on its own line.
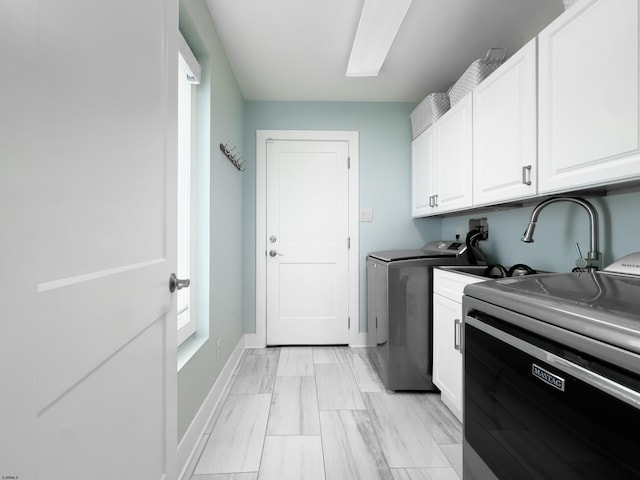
<point x="593" y="260"/>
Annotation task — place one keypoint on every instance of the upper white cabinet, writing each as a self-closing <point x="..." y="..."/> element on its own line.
<point x="589" y="131"/>
<point x="454" y="154"/>
<point x="423" y="174"/>
<point x="442" y="163"/>
<point x="504" y="131"/>
<point x="504" y="142"/>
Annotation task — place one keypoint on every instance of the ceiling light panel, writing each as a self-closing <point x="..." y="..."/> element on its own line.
<point x="378" y="27"/>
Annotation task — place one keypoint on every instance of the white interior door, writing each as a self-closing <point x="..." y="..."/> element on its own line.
<point x="87" y="188"/>
<point x="307" y="242"/>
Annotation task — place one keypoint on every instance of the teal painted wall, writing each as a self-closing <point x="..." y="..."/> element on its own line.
<point x="220" y="119"/>
<point x="385" y="176"/>
<point x="559" y="227"/>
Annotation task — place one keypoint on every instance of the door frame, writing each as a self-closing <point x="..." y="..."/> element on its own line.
<point x="259" y="339"/>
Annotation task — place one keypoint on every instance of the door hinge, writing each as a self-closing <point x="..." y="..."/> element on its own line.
<point x="348" y="162"/>
<point x="348" y="242"/>
<point x="376" y="323"/>
<point x="348" y="323"/>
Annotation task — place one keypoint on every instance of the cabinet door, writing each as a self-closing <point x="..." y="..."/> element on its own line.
<point x="422" y="174"/>
<point x="589" y="96"/>
<point x="504" y="131"/>
<point x="447" y="360"/>
<point x="454" y="154"/>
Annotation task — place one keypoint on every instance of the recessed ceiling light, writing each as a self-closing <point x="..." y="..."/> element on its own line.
<point x="378" y="27"/>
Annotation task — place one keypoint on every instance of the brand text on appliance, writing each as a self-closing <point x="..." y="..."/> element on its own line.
<point x="547" y="377"/>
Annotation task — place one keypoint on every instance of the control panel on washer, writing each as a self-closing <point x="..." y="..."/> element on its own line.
<point x="446" y="247"/>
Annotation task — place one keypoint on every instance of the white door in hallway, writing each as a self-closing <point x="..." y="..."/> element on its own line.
<point x="87" y="239"/>
<point x="307" y="242"/>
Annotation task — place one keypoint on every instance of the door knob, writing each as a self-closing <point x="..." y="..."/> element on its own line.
<point x="176" y="283"/>
<point x="273" y="253"/>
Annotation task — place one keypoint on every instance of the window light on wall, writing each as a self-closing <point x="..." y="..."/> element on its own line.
<point x="188" y="77"/>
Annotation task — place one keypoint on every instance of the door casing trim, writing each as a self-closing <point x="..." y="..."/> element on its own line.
<point x="259" y="339"/>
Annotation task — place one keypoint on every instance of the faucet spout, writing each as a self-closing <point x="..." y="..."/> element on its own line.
<point x="593" y="256"/>
<point x="528" y="233"/>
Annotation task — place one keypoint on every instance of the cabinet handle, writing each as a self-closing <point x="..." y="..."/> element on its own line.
<point x="431" y="200"/>
<point x="435" y="200"/>
<point x="526" y="175"/>
<point x="456" y="334"/>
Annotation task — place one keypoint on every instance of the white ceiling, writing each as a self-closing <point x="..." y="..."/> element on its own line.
<point x="298" y="49"/>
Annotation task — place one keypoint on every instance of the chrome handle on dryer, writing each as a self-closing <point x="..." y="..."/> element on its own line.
<point x="456" y="334"/>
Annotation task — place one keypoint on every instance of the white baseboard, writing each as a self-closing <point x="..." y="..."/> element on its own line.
<point x="191" y="438"/>
<point x="253" y="340"/>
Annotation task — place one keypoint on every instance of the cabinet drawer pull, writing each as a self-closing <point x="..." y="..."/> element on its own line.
<point x="526" y="175"/>
<point x="456" y="334"/>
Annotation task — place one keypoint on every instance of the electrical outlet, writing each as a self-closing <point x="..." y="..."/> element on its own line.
<point x="218" y="347"/>
<point x="366" y="215"/>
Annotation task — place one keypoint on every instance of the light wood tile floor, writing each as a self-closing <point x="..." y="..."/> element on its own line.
<point x="321" y="413"/>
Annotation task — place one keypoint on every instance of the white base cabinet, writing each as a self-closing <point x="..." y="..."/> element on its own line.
<point x="589" y="84"/>
<point x="447" y="318"/>
<point x="447" y="361"/>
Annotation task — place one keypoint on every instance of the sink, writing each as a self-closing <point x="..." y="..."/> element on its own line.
<point x="475" y="270"/>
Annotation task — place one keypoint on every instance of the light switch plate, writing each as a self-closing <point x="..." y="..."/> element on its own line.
<point x="366" y="215"/>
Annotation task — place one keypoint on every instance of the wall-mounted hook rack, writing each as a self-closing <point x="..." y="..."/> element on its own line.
<point x="230" y="152"/>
